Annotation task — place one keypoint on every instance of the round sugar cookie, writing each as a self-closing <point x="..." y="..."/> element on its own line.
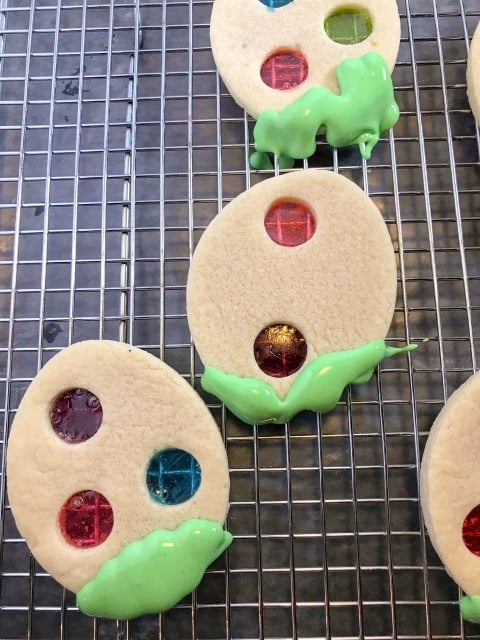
<point x="269" y="53"/>
<point x="473" y="74"/>
<point x="297" y="268"/>
<point x="450" y="488"/>
<point x="112" y="456"/>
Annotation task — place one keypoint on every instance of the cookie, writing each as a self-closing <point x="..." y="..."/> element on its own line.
<point x="450" y="495"/>
<point x="473" y="74"/>
<point x="290" y="295"/>
<point x="286" y="61"/>
<point x="118" y="479"/>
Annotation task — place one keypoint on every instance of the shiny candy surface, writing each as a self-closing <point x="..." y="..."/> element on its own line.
<point x="284" y="70"/>
<point x="275" y="4"/>
<point x="349" y="26"/>
<point x="290" y="223"/>
<point x="76" y="415"/>
<point x="280" y="350"/>
<point x="471" y="531"/>
<point x="86" y="519"/>
<point x="173" y="476"/>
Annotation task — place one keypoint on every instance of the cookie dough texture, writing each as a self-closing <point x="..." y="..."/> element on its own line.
<point x="338" y="288"/>
<point x="450" y="481"/>
<point x="147" y="407"/>
<point x="244" y="33"/>
<point x="473" y="74"/>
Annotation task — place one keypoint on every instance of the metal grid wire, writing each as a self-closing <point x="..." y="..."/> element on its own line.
<point x="118" y="145"/>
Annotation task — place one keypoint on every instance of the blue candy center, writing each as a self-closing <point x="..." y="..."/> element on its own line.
<point x="173" y="476"/>
<point x="275" y="4"/>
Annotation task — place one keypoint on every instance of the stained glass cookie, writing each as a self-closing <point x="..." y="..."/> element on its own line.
<point x="450" y="494"/>
<point x="290" y="295"/>
<point x="299" y="65"/>
<point x="118" y="479"/>
<point x="473" y="74"/>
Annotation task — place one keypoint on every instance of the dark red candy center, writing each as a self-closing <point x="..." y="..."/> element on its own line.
<point x="280" y="350"/>
<point x="471" y="531"/>
<point x="86" y="519"/>
<point x="76" y="415"/>
<point x="289" y="223"/>
<point x="284" y="70"/>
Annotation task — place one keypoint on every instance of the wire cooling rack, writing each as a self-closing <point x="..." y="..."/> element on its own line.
<point x="118" y="145"/>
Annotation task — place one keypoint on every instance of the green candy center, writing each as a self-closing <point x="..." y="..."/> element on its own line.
<point x="348" y="26"/>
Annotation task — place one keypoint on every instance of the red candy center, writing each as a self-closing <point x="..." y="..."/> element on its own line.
<point x="86" y="519"/>
<point x="280" y="350"/>
<point x="289" y="223"/>
<point x="76" y="415"/>
<point x="471" y="531"/>
<point x="284" y="70"/>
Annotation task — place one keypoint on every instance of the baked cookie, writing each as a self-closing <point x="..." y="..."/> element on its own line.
<point x="290" y="295"/>
<point x="118" y="479"/>
<point x="287" y="61"/>
<point x="450" y="495"/>
<point x="473" y="74"/>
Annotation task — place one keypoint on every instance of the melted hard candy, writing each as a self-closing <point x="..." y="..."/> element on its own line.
<point x="284" y="70"/>
<point x="289" y="223"/>
<point x="173" y="476"/>
<point x="471" y="531"/>
<point x="280" y="350"/>
<point x="86" y="519"/>
<point x="76" y="415"/>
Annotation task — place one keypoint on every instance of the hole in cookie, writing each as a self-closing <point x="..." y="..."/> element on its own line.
<point x="348" y="25"/>
<point x="471" y="531"/>
<point x="275" y="4"/>
<point x="86" y="519"/>
<point x="289" y="223"/>
<point x="280" y="350"/>
<point x="76" y="415"/>
<point x="284" y="70"/>
<point x="173" y="476"/>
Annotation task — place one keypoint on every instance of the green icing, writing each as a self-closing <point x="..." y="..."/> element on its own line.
<point x="153" y="574"/>
<point x="470" y="608"/>
<point x="364" y="110"/>
<point x="318" y="387"/>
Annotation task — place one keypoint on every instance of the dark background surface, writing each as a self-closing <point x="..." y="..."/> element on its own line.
<point x="118" y="145"/>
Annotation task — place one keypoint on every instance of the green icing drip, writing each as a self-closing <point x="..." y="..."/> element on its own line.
<point x="470" y="608"/>
<point x="318" y="387"/>
<point x="364" y="110"/>
<point x="153" y="574"/>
